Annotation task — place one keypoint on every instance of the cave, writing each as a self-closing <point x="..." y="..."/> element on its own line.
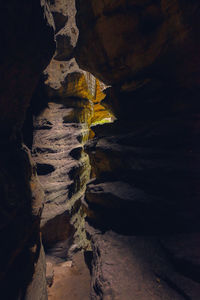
<point x="100" y="150"/>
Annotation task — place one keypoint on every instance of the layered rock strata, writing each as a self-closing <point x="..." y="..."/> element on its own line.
<point x="62" y="166"/>
<point x="144" y="185"/>
<point x="143" y="198"/>
<point x="61" y="126"/>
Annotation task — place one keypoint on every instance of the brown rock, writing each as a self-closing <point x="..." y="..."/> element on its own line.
<point x="127" y="42"/>
<point x="135" y="267"/>
<point x="21" y="206"/>
<point x="37" y="288"/>
<point x="49" y="273"/>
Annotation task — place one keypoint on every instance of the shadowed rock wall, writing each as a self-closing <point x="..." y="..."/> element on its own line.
<point x="125" y="42"/>
<point x="27" y="45"/>
<point x="143" y="200"/>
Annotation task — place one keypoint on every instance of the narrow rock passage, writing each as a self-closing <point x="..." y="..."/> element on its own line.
<point x="63" y="170"/>
<point x="71" y="280"/>
<point x="61" y="127"/>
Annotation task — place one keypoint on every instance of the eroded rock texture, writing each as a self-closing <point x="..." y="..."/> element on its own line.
<point x="142" y="202"/>
<point x="62" y="166"/>
<point x="144" y="192"/>
<point x="69" y="103"/>
<point x="142" y="187"/>
<point x="66" y="33"/>
<point x="65" y="104"/>
<point x="136" y="267"/>
<point x="26" y="47"/>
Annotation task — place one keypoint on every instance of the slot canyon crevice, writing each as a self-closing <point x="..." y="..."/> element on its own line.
<point x="100" y="150"/>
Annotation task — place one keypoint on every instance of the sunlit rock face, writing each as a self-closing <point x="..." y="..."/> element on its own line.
<point x="65" y="105"/>
<point x="64" y="109"/>
<point x="65" y="79"/>
<point x="27" y="44"/>
<point x="125" y="42"/>
<point x="62" y="167"/>
<point x="66" y="33"/>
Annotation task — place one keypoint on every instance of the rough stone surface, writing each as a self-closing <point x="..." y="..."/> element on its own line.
<point x="66" y="30"/>
<point x="128" y="42"/>
<point x="49" y="273"/>
<point x="68" y="97"/>
<point x="37" y="289"/>
<point x="66" y="79"/>
<point x="135" y="267"/>
<point x="144" y="196"/>
<point x="145" y="182"/>
<point x="63" y="178"/>
<point x="145" y="166"/>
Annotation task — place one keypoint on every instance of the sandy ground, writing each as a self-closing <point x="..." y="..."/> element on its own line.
<point x="71" y="280"/>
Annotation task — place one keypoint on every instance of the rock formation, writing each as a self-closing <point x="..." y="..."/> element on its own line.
<point x="27" y="45"/>
<point x="60" y="130"/>
<point x="65" y="105"/>
<point x="143" y="196"/>
<point x="127" y="42"/>
<point x="122" y="155"/>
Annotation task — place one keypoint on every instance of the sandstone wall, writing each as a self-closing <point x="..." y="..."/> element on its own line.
<point x="144" y="194"/>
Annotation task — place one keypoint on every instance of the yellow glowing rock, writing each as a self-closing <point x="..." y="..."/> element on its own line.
<point x="80" y="89"/>
<point x="84" y="85"/>
<point x="100" y="115"/>
<point x="77" y="86"/>
<point x="91" y="134"/>
<point x="99" y="94"/>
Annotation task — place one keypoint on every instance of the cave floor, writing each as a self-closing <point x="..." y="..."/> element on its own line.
<point x="71" y="280"/>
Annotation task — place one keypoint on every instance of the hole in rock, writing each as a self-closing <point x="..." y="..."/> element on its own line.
<point x="44" y="169"/>
<point x="64" y="169"/>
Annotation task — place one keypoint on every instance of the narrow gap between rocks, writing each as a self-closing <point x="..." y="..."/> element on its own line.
<point x="91" y="209"/>
<point x="116" y="164"/>
<point x="56" y="129"/>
